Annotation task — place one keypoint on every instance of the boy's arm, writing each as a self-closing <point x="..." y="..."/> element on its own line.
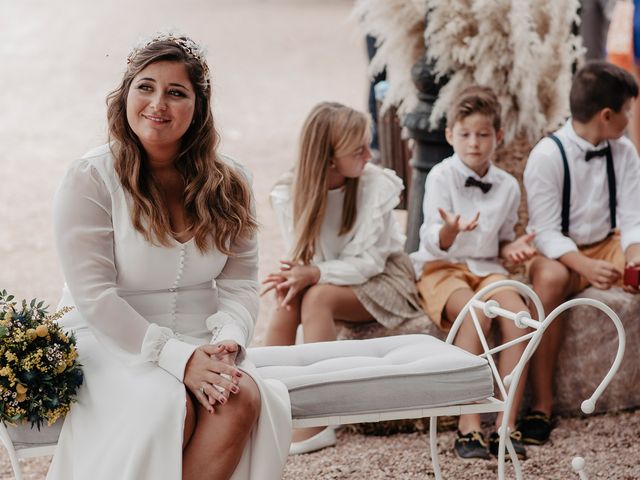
<point x="452" y="226"/>
<point x="518" y="251"/>
<point x="600" y="273"/>
<point x="436" y="197"/>
<point x="511" y="249"/>
<point x="632" y="254"/>
<point x="447" y="236"/>
<point x="628" y="195"/>
<point x="543" y="178"/>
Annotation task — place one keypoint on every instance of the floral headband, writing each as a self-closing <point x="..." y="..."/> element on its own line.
<point x="187" y="45"/>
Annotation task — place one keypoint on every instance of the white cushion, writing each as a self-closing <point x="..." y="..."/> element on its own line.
<point x="354" y="376"/>
<point x="375" y="375"/>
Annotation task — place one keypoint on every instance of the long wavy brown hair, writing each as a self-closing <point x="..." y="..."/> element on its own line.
<point x="330" y="130"/>
<point x="217" y="197"/>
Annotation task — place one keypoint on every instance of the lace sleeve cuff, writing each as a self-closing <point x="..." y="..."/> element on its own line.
<point x="160" y="346"/>
<point x="174" y="357"/>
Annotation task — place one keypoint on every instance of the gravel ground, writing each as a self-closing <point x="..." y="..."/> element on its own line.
<point x="272" y="60"/>
<point x="608" y="444"/>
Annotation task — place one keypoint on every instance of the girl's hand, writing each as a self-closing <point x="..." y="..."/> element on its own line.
<point x="208" y="374"/>
<point x="291" y="280"/>
<point x="271" y="281"/>
<point x="520" y="250"/>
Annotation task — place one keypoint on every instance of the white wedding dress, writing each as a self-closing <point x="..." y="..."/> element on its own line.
<point x="140" y="311"/>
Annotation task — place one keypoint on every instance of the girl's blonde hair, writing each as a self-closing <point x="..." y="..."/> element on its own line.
<point x="331" y="130"/>
<point x="217" y="198"/>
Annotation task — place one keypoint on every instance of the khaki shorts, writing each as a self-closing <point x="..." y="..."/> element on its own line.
<point x="608" y="249"/>
<point x="440" y="279"/>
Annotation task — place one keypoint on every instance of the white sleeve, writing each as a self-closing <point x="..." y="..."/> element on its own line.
<point x="507" y="230"/>
<point x="357" y="269"/>
<point x="282" y="205"/>
<point x="543" y="178"/>
<point x="238" y="296"/>
<point x="628" y="199"/>
<point x="84" y="238"/>
<point x="436" y="196"/>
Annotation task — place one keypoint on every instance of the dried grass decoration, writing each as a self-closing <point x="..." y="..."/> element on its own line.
<point x="524" y="50"/>
<point x="39" y="374"/>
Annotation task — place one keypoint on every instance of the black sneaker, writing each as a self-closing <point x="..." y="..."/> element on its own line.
<point x="516" y="441"/>
<point x="535" y="427"/>
<point x="471" y="445"/>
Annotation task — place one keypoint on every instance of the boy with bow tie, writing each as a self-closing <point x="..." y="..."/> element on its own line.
<point x="470" y="210"/>
<point x="583" y="192"/>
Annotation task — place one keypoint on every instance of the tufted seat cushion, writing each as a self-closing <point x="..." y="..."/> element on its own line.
<point x="376" y="375"/>
<point x="352" y="377"/>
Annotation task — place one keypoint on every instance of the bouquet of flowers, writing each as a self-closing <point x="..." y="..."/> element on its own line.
<point x="39" y="373"/>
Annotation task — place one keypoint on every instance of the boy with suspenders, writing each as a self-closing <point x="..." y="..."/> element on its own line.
<point x="583" y="193"/>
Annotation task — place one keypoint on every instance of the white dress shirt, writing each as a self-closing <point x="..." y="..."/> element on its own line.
<point x="478" y="249"/>
<point x="362" y="253"/>
<point x="589" y="216"/>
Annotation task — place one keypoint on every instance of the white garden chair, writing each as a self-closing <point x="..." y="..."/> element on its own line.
<point x="314" y="373"/>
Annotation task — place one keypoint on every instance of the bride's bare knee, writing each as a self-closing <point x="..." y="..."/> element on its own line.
<point x="189" y="421"/>
<point x="246" y="403"/>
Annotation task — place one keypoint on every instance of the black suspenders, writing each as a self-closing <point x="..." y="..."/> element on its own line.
<point x="566" y="187"/>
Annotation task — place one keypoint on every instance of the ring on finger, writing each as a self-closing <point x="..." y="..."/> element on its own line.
<point x="201" y="389"/>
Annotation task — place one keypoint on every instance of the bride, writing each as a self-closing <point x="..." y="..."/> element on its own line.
<point x="156" y="234"/>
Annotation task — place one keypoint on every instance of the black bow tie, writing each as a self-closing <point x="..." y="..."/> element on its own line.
<point x="598" y="153"/>
<point x="472" y="182"/>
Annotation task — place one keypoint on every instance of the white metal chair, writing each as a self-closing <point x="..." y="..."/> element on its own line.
<point x="506" y="386"/>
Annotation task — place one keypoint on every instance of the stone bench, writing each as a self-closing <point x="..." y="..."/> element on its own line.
<point x="587" y="352"/>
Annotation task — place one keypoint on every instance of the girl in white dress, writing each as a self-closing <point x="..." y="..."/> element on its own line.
<point x="157" y="239"/>
<point x="345" y="249"/>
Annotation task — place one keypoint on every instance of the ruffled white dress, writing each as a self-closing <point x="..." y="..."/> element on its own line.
<point x="140" y="311"/>
<point x="370" y="257"/>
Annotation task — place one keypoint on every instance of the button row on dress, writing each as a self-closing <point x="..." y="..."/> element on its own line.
<point x="174" y="287"/>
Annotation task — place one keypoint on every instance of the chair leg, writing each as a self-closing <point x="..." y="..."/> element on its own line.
<point x="433" y="441"/>
<point x="504" y="446"/>
<point x="578" y="466"/>
<point x="514" y="457"/>
<point x="13" y="456"/>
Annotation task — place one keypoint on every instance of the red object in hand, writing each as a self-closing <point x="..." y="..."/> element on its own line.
<point x="632" y="276"/>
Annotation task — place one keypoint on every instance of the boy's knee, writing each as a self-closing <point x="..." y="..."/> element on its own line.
<point x="550" y="274"/>
<point x="483" y="321"/>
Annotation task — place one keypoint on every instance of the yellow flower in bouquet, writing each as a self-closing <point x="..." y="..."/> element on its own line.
<point x="39" y="371"/>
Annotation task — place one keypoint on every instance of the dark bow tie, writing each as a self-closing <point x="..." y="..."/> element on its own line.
<point x="598" y="153"/>
<point x="472" y="182"/>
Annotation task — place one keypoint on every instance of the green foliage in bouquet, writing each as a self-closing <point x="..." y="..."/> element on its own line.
<point x="39" y="374"/>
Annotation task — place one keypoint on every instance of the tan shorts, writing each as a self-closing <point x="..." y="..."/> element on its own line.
<point x="608" y="249"/>
<point x="440" y="279"/>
